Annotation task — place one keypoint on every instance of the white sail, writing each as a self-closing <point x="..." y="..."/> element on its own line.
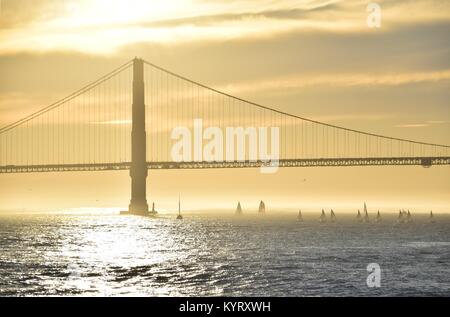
<point x="378" y="216"/>
<point x="300" y="217"/>
<point x="332" y="216"/>
<point x="366" y="214"/>
<point x="262" y="207"/>
<point x="239" y="209"/>
<point x="323" y="216"/>
<point x="400" y="216"/>
<point x="358" y="216"/>
<point x="408" y="217"/>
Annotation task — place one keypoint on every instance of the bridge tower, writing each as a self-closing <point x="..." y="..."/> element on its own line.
<point x="138" y="171"/>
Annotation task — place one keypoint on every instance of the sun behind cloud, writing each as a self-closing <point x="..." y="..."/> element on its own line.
<point x="103" y="27"/>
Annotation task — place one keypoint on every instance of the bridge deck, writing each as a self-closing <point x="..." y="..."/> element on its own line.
<point x="324" y="162"/>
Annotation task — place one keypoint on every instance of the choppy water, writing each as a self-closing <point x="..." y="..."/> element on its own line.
<point x="61" y="254"/>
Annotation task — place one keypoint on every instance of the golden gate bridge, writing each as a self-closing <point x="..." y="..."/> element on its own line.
<point x="124" y="120"/>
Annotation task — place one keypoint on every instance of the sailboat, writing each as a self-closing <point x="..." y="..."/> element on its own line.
<point x="179" y="217"/>
<point x="408" y="217"/>
<point x="262" y="208"/>
<point x="400" y="217"/>
<point x="153" y="212"/>
<point x="358" y="216"/>
<point x="378" y="219"/>
<point x="431" y="218"/>
<point x="332" y="216"/>
<point x="239" y="209"/>
<point x="366" y="214"/>
<point x="323" y="217"/>
<point x="300" y="217"/>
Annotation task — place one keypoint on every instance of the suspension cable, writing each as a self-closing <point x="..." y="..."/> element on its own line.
<point x="289" y="114"/>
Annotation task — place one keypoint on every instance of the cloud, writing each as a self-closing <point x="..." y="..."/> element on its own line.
<point x="103" y="27"/>
<point x="420" y="125"/>
<point x="292" y="58"/>
<point x="274" y="14"/>
<point x="353" y="117"/>
<point x="268" y="53"/>
<point x="412" y="125"/>
<point x="22" y="13"/>
<point x="436" y="122"/>
<point x="336" y="80"/>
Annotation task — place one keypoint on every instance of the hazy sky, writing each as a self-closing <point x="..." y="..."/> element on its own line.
<point x="318" y="59"/>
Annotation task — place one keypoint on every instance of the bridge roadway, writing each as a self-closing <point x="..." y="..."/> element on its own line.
<point x="324" y="162"/>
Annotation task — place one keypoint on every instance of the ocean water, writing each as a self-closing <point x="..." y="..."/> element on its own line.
<point x="60" y="254"/>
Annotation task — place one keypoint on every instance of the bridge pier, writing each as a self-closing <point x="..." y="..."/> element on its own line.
<point x="138" y="170"/>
